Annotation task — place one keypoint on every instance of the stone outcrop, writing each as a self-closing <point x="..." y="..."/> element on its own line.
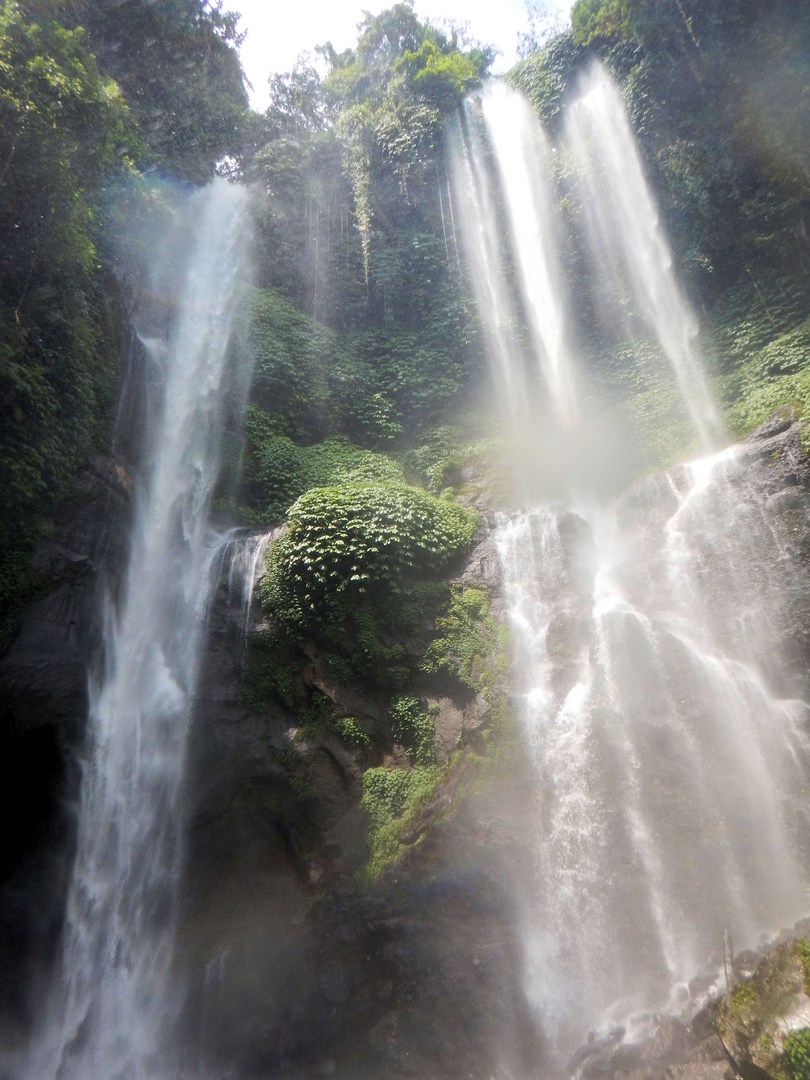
<point x="43" y="676"/>
<point x="757" y="1018"/>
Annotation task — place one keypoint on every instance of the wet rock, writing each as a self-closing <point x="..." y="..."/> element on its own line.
<point x="756" y="1018"/>
<point x="579" y="551"/>
<point x="43" y="676"/>
<point x="565" y="636"/>
<point x="595" y="1047"/>
<point x="483" y="567"/>
<point x="780" y="421"/>
<point x="449" y="722"/>
<point x="476" y="713"/>
<point x="746" y="963"/>
<point x="701" y="1070"/>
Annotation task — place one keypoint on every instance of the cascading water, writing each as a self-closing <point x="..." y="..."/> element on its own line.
<point x="240" y="566"/>
<point x="628" y="242"/>
<point x="669" y="744"/>
<point x="484" y="254"/>
<point x="672" y="760"/>
<point x="507" y="130"/>
<point x="115" y="1003"/>
<point x="522" y="154"/>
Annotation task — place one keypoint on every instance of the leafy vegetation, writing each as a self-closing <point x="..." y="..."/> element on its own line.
<point x="61" y="127"/>
<point x="72" y="132"/>
<point x="796" y="1054"/>
<point x="469" y="644"/>
<point x="355" y="571"/>
<point x="414" y="729"/>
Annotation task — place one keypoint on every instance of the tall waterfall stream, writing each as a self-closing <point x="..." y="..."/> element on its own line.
<point x="115" y="999"/>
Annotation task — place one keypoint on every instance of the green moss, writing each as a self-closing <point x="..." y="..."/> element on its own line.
<point x="743" y="997"/>
<point x="391" y="799"/>
<point x="802" y="950"/>
<point x="470" y="645"/>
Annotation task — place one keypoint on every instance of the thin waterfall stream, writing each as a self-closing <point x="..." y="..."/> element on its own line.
<point x="669" y="747"/>
<point x="115" y="1004"/>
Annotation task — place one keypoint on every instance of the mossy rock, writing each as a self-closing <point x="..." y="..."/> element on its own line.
<point x="759" y="1021"/>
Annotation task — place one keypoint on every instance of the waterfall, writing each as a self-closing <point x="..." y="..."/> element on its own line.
<point x="239" y="567"/>
<point x="116" y="1004"/>
<point x="485" y="257"/>
<point x="671" y="756"/>
<point x="630" y="248"/>
<point x="668" y="741"/>
<point x="507" y="132"/>
<point x="523" y="157"/>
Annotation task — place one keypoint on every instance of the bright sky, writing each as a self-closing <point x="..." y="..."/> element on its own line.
<point x="278" y="30"/>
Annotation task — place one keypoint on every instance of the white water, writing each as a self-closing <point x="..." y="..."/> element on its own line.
<point x="671" y="752"/>
<point x="240" y="567"/>
<point x="485" y="257"/>
<point x="500" y="125"/>
<point x="116" y="1003"/>
<point x="672" y="764"/>
<point x="523" y="154"/>
<point x="628" y="242"/>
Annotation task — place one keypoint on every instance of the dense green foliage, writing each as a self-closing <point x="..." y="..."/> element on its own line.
<point x="62" y="124"/>
<point x="391" y="799"/>
<point x="469" y="644"/>
<point x="354" y="229"/>
<point x="79" y="116"/>
<point x="278" y="470"/>
<point x="796" y="1054"/>
<point x="414" y="729"/>
<point x="355" y="569"/>
<point x="177" y="68"/>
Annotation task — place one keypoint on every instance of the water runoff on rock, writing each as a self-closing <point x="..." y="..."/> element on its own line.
<point x="669" y="744"/>
<point x="115" y="1001"/>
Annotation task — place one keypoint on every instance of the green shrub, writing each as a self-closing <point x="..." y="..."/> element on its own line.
<point x="346" y="541"/>
<point x="278" y="471"/>
<point x="469" y="645"/>
<point x="414" y="729"/>
<point x="776" y="374"/>
<point x="357" y="572"/>
<point x="352" y="733"/>
<point x="796" y="1054"/>
<point x="446" y="448"/>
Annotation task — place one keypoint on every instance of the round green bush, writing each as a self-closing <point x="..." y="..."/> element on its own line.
<point x="360" y="540"/>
